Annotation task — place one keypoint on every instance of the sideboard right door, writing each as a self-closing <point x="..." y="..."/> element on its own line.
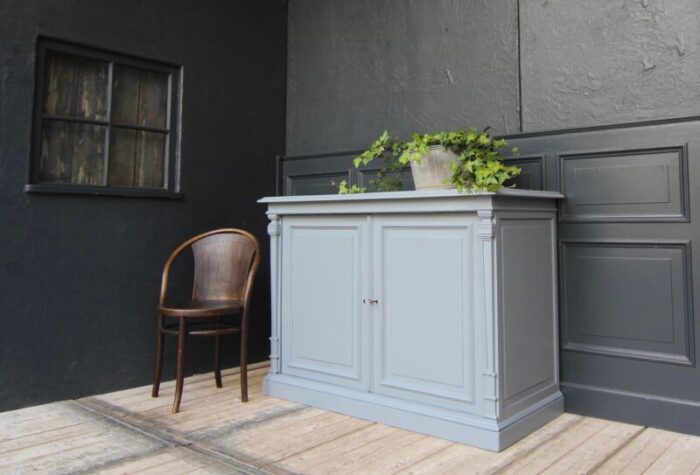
<point x="424" y="326"/>
<point x="324" y="278"/>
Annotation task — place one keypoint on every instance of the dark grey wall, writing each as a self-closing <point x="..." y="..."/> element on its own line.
<point x="79" y="276"/>
<point x="605" y="62"/>
<point x="358" y="67"/>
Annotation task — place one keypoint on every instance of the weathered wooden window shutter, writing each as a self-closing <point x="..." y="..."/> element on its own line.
<point x="102" y="121"/>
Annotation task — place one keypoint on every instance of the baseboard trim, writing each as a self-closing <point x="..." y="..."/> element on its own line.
<point x="678" y="415"/>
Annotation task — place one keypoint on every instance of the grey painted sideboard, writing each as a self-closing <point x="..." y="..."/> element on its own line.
<point x="428" y="310"/>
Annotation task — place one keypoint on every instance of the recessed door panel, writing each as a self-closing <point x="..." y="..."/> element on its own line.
<point x="322" y="312"/>
<point x="424" y="326"/>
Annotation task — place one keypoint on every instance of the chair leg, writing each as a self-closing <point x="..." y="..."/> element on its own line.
<point x="180" y="372"/>
<point x="217" y="361"/>
<point x="159" y="362"/>
<point x="244" y="359"/>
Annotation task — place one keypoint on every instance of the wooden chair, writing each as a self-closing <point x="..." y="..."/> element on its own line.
<point x="225" y="263"/>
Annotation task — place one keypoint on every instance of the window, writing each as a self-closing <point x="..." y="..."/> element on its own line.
<point x="104" y="123"/>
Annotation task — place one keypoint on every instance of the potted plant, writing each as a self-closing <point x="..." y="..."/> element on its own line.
<point x="469" y="160"/>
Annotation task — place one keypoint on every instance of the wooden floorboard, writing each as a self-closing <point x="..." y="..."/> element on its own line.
<point x="130" y="432"/>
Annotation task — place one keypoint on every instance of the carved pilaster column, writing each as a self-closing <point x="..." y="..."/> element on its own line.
<point x="274" y="229"/>
<point x="486" y="232"/>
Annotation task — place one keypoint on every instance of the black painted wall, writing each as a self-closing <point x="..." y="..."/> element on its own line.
<point x="358" y="67"/>
<point x="79" y="275"/>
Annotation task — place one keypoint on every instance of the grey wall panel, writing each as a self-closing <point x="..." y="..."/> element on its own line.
<point x="304" y="176"/>
<point x="631" y="185"/>
<point x="627" y="299"/>
<point x="316" y="184"/>
<point x="358" y="67"/>
<point x="599" y="62"/>
<point x="532" y="175"/>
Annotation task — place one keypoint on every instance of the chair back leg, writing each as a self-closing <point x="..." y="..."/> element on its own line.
<point x="180" y="371"/>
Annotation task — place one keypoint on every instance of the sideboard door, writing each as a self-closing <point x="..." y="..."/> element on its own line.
<point x="424" y="345"/>
<point x="324" y="278"/>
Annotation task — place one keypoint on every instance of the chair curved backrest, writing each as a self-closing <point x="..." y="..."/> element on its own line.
<point x="225" y="263"/>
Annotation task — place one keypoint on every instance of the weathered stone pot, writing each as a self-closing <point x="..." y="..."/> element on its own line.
<point x="435" y="169"/>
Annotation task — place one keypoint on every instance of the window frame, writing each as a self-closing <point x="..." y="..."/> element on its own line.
<point x="171" y="154"/>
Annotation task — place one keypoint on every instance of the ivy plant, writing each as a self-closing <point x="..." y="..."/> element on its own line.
<point x="480" y="166"/>
<point x="345" y="189"/>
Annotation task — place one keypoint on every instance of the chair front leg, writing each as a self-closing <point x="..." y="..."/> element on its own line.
<point x="180" y="372"/>
<point x="217" y="360"/>
<point x="160" y="337"/>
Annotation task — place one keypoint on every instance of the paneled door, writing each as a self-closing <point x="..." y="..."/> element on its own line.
<point x="424" y="345"/>
<point x="324" y="322"/>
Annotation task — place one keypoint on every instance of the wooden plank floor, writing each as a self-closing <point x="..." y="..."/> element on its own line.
<point x="130" y="432"/>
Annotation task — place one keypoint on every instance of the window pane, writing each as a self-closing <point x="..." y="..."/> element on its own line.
<point x="136" y="158"/>
<point x="56" y="159"/>
<point x="72" y="153"/>
<point x="150" y="149"/>
<point x="139" y="97"/>
<point x="125" y="95"/>
<point x="75" y="87"/>
<point x="88" y="154"/>
<point x="59" y="84"/>
<point x="122" y="157"/>
<point x="153" y="99"/>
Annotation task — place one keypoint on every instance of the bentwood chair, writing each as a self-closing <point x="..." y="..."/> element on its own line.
<point x="225" y="263"/>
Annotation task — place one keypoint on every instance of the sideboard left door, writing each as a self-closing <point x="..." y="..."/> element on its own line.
<point x="325" y="263"/>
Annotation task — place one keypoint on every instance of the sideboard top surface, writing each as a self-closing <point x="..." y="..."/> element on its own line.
<point x="440" y="200"/>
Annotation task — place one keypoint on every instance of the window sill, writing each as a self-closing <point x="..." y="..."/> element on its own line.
<point x="60" y="189"/>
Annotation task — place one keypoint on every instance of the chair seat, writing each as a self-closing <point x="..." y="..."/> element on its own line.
<point x="203" y="328"/>
<point x="200" y="308"/>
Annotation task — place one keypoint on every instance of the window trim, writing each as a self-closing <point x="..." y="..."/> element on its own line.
<point x="171" y="157"/>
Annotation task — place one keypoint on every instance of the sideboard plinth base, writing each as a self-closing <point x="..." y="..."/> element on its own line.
<point x="455" y="426"/>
